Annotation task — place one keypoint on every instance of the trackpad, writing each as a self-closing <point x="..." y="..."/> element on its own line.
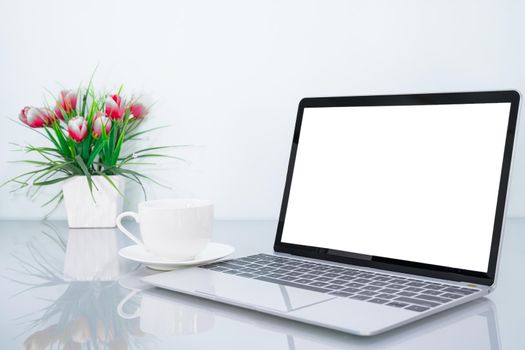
<point x="246" y="291"/>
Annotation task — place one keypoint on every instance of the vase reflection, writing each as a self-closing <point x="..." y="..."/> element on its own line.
<point x="92" y="255"/>
<point x="84" y="315"/>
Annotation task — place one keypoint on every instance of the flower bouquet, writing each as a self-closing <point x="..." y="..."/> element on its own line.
<point x="86" y="135"/>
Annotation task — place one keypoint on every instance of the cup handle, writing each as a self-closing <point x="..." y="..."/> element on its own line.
<point x="126" y="232"/>
<point x="120" y="307"/>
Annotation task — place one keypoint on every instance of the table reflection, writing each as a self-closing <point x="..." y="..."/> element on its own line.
<point x="471" y="326"/>
<point x="99" y="302"/>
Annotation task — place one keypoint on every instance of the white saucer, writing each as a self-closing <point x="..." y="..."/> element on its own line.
<point x="213" y="251"/>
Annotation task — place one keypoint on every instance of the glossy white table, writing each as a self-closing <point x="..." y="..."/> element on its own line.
<point x="68" y="289"/>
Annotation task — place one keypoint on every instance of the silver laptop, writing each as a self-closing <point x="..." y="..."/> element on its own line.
<point x="393" y="210"/>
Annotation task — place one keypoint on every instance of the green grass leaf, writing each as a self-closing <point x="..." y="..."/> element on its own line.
<point x="98" y="147"/>
<point x="112" y="184"/>
<point x="50" y="182"/>
<point x="85" y="170"/>
<point x="134" y="135"/>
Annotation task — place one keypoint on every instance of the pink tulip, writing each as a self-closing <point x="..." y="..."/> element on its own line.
<point x="36" y="117"/>
<point x="99" y="121"/>
<point x="23" y="114"/>
<point x="58" y="112"/>
<point x="77" y="128"/>
<point x="67" y="101"/>
<point x="114" y="107"/>
<point x="138" y="110"/>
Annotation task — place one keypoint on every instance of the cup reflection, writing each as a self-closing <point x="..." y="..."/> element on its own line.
<point x="163" y="316"/>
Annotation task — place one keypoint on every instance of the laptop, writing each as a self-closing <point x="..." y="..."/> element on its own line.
<point x="393" y="210"/>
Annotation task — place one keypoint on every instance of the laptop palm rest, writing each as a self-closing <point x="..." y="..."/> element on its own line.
<point x="237" y="290"/>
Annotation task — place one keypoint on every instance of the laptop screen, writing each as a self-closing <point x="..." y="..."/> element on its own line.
<point x="411" y="182"/>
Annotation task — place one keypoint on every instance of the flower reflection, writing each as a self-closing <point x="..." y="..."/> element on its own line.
<point x="86" y="274"/>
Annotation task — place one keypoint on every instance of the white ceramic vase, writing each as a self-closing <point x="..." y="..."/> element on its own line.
<point x="98" y="209"/>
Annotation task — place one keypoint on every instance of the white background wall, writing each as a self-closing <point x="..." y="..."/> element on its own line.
<point x="228" y="75"/>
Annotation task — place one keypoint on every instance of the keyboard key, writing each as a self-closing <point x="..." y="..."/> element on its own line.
<point x="265" y="270"/>
<point x="218" y="268"/>
<point x="350" y="273"/>
<point x="377" y="301"/>
<point x="340" y="294"/>
<point x="378" y="283"/>
<point x="319" y="284"/>
<point x="253" y="266"/>
<point x="303" y="280"/>
<point x="431" y="292"/>
<point x="323" y="268"/>
<point x="417" y="308"/>
<point x="456" y="291"/>
<point x="303" y="270"/>
<point x="387" y="296"/>
<point x="346" y="277"/>
<point x="292" y="284"/>
<point x="417" y="301"/>
<point x="434" y="287"/>
<point x="370" y="288"/>
<point x="382" y="279"/>
<point x="415" y="284"/>
<point x="288" y="278"/>
<point x="323" y="279"/>
<point x="310" y="277"/>
<point x="399" y="281"/>
<point x="274" y="265"/>
<point x="339" y="281"/>
<point x="414" y="289"/>
<point x="230" y="264"/>
<point x="232" y="272"/>
<point x="350" y="290"/>
<point x="294" y="274"/>
<point x="469" y="290"/>
<point x="362" y="280"/>
<point x="368" y="293"/>
<point x="330" y="274"/>
<point x="336" y="270"/>
<point x="395" y="286"/>
<point x="366" y="275"/>
<point x="397" y="304"/>
<point x="432" y="298"/>
<point x="406" y="294"/>
<point x="307" y="265"/>
<point x="354" y="285"/>
<point x="359" y="297"/>
<point x="333" y="286"/>
<point x="451" y="295"/>
<point x="389" y="290"/>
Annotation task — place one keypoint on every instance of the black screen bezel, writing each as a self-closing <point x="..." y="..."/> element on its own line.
<point x="403" y="266"/>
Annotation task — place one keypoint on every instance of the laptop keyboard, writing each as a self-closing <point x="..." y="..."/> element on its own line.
<point x="379" y="288"/>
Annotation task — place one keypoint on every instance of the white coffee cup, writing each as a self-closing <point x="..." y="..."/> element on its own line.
<point x="177" y="229"/>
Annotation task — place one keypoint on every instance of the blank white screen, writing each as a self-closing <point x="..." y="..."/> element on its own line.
<point x="417" y="183"/>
